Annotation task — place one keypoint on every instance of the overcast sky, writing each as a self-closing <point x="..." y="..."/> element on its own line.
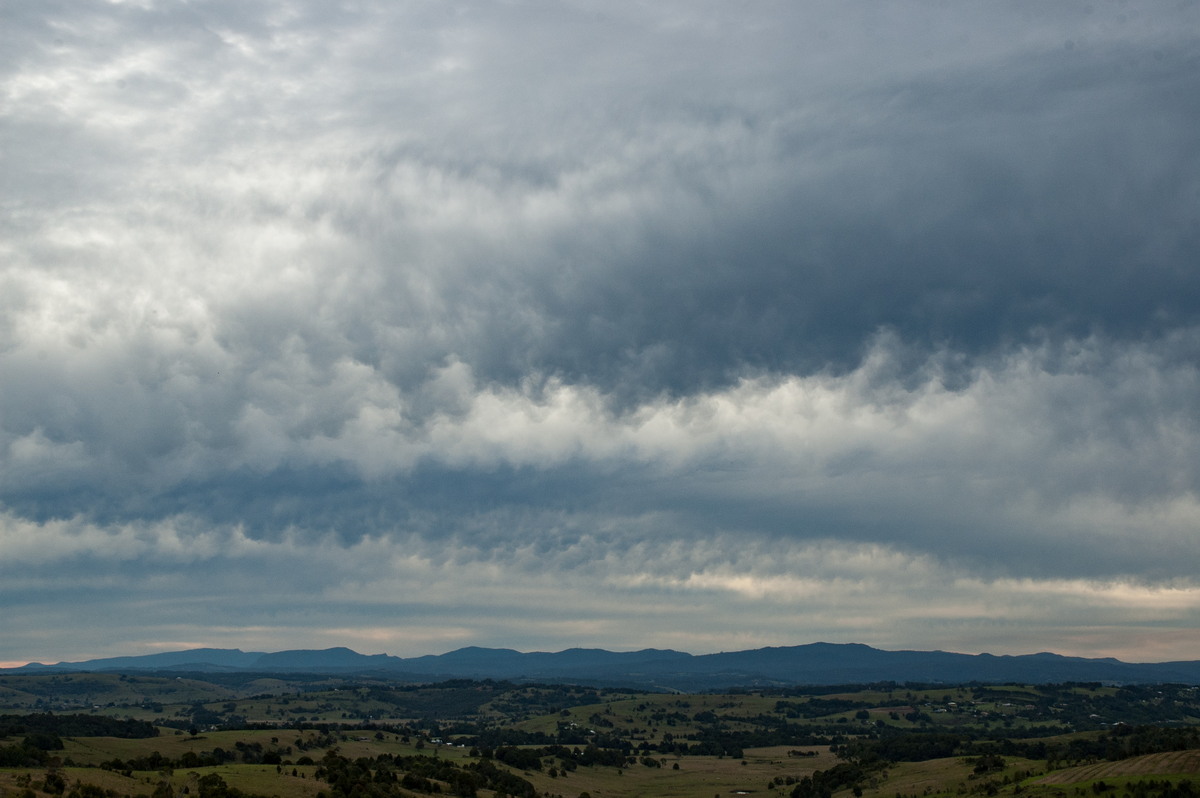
<point x="413" y="325"/>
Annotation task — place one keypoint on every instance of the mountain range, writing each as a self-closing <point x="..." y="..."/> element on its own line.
<point x="811" y="664"/>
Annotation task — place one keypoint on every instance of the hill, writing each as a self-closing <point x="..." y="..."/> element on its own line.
<point x="812" y="664"/>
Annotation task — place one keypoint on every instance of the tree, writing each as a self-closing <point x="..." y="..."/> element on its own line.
<point x="53" y="783"/>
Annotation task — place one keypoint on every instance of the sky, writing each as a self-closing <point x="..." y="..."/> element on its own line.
<point x="408" y="326"/>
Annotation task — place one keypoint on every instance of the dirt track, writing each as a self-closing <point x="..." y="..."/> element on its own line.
<point x="1149" y="765"/>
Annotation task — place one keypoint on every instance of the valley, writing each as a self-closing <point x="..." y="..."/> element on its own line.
<point x="100" y="735"/>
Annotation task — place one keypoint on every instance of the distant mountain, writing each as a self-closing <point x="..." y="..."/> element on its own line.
<point x="329" y="659"/>
<point x="826" y="663"/>
<point x="812" y="664"/>
<point x="196" y="659"/>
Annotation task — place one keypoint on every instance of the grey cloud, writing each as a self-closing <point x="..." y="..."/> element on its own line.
<point x="582" y="277"/>
<point x="949" y="233"/>
<point x="1093" y="445"/>
<point x="698" y="597"/>
<point x="757" y="236"/>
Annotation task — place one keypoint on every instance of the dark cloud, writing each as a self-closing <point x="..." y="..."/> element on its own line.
<point x="621" y="303"/>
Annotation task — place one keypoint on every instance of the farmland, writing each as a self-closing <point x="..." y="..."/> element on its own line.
<point x="201" y="735"/>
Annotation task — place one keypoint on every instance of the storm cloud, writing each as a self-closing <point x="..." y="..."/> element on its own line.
<point x="413" y="325"/>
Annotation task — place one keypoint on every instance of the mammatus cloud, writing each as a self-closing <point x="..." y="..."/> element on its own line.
<point x="598" y="325"/>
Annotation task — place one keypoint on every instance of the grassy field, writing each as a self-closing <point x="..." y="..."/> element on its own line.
<point x="764" y="772"/>
<point x="676" y="776"/>
<point x="254" y="779"/>
<point x="1172" y="763"/>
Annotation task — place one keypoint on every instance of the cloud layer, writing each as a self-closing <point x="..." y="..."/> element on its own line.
<point x="407" y="325"/>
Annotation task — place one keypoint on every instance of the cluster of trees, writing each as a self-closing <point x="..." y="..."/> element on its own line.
<point x="388" y="776"/>
<point x="715" y="739"/>
<point x="156" y="761"/>
<point x="1161" y="788"/>
<point x="74" y="726"/>
<point x="1123" y="742"/>
<point x="824" y="783"/>
<point x="23" y="755"/>
<point x="243" y="752"/>
<point x="820" y="707"/>
<point x="210" y="785"/>
<point x="865" y="759"/>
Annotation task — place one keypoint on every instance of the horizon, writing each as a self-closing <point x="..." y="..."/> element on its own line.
<point x="681" y="325"/>
<point x="9" y="665"/>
